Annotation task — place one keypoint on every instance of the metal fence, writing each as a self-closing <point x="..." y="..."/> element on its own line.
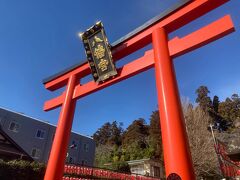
<point x="82" y="171"/>
<point x="228" y="167"/>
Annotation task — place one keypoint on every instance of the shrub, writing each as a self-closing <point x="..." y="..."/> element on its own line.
<point x="21" y="170"/>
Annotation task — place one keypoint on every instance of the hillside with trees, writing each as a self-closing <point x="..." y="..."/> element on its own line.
<point x="139" y="140"/>
<point x="225" y="115"/>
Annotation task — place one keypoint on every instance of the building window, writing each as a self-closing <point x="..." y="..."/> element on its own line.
<point x="40" y="134"/>
<point x="1" y="121"/>
<point x="156" y="171"/>
<point x="86" y="147"/>
<point x="14" y="127"/>
<point x="84" y="162"/>
<point x="36" y="153"/>
<point x="138" y="169"/>
<point x="71" y="160"/>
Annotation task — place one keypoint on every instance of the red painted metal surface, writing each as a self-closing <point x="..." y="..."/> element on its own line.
<point x="59" y="149"/>
<point x="185" y="15"/>
<point x="177" y="155"/>
<point x="177" y="46"/>
<point x="176" y="150"/>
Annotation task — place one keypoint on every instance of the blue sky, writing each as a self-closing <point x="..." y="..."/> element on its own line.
<point x="39" y="38"/>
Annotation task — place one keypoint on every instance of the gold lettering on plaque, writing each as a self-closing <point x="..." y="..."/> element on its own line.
<point x="103" y="65"/>
<point x="97" y="39"/>
<point x="93" y="43"/>
<point x="99" y="52"/>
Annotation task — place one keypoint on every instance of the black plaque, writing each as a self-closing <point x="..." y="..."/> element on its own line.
<point x="98" y="53"/>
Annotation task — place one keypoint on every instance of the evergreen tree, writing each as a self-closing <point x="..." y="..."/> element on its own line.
<point x="116" y="134"/>
<point x="203" y="99"/>
<point x="103" y="134"/>
<point x="136" y="132"/>
<point x="225" y="109"/>
<point x="155" y="135"/>
<point x="218" y="121"/>
<point x="109" y="134"/>
<point x="236" y="107"/>
<point x="230" y="108"/>
<point x="215" y="104"/>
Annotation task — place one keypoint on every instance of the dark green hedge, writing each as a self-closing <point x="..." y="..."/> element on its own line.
<point x="21" y="170"/>
<point x="25" y="170"/>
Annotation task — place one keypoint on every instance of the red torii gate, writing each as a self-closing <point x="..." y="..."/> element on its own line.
<point x="177" y="158"/>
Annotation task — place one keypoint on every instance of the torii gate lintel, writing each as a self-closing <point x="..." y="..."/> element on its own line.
<point x="177" y="47"/>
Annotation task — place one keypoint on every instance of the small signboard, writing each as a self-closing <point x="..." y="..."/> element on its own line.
<point x="98" y="53"/>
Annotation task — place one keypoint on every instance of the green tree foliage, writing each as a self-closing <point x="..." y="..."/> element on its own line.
<point x="225" y="109"/>
<point x="137" y="133"/>
<point x="223" y="114"/>
<point x="230" y="108"/>
<point x="103" y="155"/>
<point x="115" y="146"/>
<point x="103" y="134"/>
<point x="116" y="134"/>
<point x="203" y="99"/>
<point x="110" y="134"/>
<point x="209" y="106"/>
<point x="21" y="170"/>
<point x="138" y="141"/>
<point x="135" y="140"/>
<point x="215" y="104"/>
<point x="155" y="135"/>
<point x="236" y="107"/>
<point x="108" y="140"/>
<point x="121" y="166"/>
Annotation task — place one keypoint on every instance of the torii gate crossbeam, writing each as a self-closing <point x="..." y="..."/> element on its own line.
<point x="175" y="144"/>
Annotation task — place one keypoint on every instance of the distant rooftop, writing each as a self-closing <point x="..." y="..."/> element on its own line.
<point x="138" y="161"/>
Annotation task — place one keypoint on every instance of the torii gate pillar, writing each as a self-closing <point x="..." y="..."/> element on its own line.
<point x="177" y="155"/>
<point x="59" y="149"/>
